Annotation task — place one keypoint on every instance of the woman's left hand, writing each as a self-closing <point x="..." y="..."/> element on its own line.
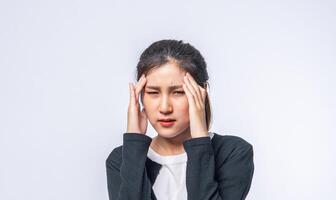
<point x="196" y="97"/>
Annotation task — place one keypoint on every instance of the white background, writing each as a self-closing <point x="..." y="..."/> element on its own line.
<point x="65" y="68"/>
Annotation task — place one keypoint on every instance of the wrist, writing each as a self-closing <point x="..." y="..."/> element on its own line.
<point x="204" y="134"/>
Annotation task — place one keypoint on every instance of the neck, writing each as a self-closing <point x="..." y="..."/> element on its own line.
<point x="170" y="146"/>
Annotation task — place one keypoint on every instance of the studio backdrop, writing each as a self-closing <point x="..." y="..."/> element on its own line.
<point x="65" y="68"/>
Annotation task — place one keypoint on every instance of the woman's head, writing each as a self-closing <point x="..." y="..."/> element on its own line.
<point x="165" y="63"/>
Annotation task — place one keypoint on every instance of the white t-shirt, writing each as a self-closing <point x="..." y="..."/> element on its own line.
<point x="170" y="184"/>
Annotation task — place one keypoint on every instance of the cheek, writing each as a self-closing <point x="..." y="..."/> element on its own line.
<point x="145" y="98"/>
<point x="151" y="108"/>
<point x="182" y="103"/>
<point x="182" y="107"/>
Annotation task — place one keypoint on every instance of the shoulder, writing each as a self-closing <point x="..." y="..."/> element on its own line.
<point x="230" y="141"/>
<point x="234" y="165"/>
<point x="114" y="159"/>
<point x="231" y="146"/>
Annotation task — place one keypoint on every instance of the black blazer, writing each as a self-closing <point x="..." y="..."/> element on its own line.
<point x="220" y="168"/>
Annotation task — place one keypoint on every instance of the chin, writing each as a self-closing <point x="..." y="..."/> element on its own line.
<point x="168" y="133"/>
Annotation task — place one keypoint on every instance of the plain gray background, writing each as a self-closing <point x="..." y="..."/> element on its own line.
<point x="65" y="68"/>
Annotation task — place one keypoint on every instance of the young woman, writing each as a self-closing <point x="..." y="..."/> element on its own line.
<point x="185" y="161"/>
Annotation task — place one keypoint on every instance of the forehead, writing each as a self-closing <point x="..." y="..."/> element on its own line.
<point x="166" y="75"/>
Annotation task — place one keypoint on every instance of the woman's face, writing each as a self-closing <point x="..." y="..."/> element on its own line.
<point x="164" y="98"/>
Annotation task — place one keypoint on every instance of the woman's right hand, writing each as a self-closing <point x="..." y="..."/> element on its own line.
<point x="136" y="119"/>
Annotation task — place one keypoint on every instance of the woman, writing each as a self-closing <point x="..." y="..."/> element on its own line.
<point x="185" y="160"/>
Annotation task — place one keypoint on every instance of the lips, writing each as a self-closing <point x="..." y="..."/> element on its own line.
<point x="167" y="124"/>
<point x="166" y="120"/>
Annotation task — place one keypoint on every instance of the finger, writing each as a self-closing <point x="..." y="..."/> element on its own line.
<point x="134" y="97"/>
<point x="190" y="96"/>
<point x="136" y="86"/>
<point x="140" y="85"/>
<point x="142" y="81"/>
<point x="131" y="93"/>
<point x="195" y="86"/>
<point x="192" y="91"/>
<point x="141" y="77"/>
<point x="203" y="92"/>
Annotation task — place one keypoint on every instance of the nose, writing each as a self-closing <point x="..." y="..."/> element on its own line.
<point x="165" y="106"/>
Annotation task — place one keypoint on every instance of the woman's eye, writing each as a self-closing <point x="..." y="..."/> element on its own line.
<point x="176" y="92"/>
<point x="151" y="92"/>
<point x="179" y="92"/>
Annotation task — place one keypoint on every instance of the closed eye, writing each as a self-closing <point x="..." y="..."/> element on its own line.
<point x="179" y="92"/>
<point x="151" y="92"/>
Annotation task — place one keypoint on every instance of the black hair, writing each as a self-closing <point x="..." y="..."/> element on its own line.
<point x="185" y="55"/>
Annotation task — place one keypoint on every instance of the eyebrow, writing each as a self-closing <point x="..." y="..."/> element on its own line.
<point x="158" y="88"/>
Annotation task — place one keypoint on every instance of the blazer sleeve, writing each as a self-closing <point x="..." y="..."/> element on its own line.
<point x="129" y="181"/>
<point x="228" y="179"/>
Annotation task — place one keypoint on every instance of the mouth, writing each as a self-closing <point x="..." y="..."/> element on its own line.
<point x="167" y="122"/>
